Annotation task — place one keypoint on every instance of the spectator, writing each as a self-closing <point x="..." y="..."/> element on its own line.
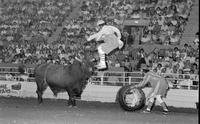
<point x="196" y="40"/>
<point x="141" y="58"/>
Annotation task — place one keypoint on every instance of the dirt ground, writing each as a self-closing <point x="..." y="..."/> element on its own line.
<point x="26" y="111"/>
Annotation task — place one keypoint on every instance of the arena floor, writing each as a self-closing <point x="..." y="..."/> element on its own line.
<point x="27" y="111"/>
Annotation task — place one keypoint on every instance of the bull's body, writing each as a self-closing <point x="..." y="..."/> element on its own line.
<point x="71" y="78"/>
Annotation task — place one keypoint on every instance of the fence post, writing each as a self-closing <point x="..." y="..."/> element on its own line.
<point x="101" y="80"/>
<point x="129" y="80"/>
<point x="124" y="78"/>
<point x="189" y="84"/>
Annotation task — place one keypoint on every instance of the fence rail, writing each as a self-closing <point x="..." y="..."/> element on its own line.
<point x="110" y="78"/>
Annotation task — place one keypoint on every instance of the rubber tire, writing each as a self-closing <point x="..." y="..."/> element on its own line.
<point x="122" y="102"/>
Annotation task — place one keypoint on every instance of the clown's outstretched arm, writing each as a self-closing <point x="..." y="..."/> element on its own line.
<point x="96" y="36"/>
<point x="143" y="83"/>
<point x="170" y="84"/>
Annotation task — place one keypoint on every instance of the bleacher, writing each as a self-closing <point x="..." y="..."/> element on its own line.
<point x="65" y="30"/>
<point x="192" y="26"/>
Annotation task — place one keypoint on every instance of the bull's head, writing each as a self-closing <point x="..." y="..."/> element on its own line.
<point x="87" y="64"/>
<point x="86" y="58"/>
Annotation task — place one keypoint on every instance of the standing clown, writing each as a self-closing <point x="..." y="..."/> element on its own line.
<point x="160" y="87"/>
<point x="111" y="37"/>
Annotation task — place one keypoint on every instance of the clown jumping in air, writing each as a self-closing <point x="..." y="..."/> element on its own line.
<point x="111" y="37"/>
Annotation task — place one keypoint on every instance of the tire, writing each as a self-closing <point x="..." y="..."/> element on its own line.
<point x="138" y="96"/>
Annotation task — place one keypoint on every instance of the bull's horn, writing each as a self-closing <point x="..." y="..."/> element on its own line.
<point x="93" y="60"/>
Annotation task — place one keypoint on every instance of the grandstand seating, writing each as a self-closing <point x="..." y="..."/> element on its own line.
<point x="192" y="26"/>
<point x="28" y="25"/>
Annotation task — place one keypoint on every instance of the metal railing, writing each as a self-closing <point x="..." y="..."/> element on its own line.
<point x="110" y="78"/>
<point x="188" y="81"/>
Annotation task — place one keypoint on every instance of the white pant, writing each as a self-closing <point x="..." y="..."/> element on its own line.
<point x="100" y="51"/>
<point x="158" y="97"/>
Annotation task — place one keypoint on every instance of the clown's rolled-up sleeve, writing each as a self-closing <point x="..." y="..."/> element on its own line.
<point x="117" y="32"/>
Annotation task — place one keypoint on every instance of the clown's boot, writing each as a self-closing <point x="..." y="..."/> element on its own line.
<point x="165" y="109"/>
<point x="102" y="63"/>
<point x="102" y="56"/>
<point x="149" y="106"/>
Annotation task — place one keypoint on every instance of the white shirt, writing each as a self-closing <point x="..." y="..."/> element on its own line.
<point x="106" y="30"/>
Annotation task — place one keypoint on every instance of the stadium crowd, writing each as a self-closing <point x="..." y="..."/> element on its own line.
<point x="26" y="26"/>
<point x="167" y="18"/>
<point x="31" y="20"/>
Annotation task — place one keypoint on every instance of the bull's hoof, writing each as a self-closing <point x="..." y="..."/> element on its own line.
<point x="70" y="106"/>
<point x="75" y="107"/>
<point x="39" y="102"/>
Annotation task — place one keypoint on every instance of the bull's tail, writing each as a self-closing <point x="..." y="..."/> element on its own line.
<point x="42" y="77"/>
<point x="39" y="79"/>
<point x="35" y="69"/>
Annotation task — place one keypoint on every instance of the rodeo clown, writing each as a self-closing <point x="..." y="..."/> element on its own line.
<point x="159" y="90"/>
<point x="111" y="37"/>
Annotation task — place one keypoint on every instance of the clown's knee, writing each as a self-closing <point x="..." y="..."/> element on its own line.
<point x="159" y="98"/>
<point x="152" y="99"/>
<point x="100" y="51"/>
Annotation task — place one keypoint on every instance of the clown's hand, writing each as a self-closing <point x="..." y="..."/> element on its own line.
<point x="138" y="85"/>
<point x="121" y="44"/>
<point x="87" y="37"/>
<point x="170" y="84"/>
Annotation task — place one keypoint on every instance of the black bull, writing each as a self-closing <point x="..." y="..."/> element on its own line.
<point x="71" y="78"/>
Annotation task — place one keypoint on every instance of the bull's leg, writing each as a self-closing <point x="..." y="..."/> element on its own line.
<point x="39" y="93"/>
<point x="77" y="93"/>
<point x="40" y="90"/>
<point x="72" y="100"/>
